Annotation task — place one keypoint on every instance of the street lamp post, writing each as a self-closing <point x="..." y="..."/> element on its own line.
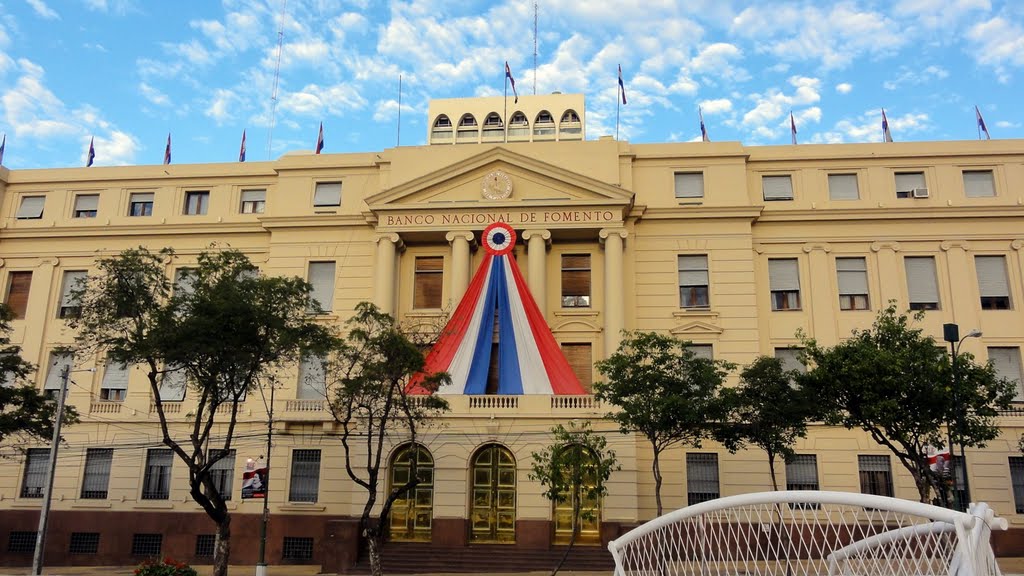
<point x="951" y="334"/>
<point x="51" y="466"/>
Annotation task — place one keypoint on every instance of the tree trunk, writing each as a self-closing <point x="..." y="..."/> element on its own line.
<point x="771" y="470"/>
<point x="923" y="487"/>
<point x="222" y="552"/>
<point x="373" y="547"/>
<point x="572" y="538"/>
<point x="656" y="466"/>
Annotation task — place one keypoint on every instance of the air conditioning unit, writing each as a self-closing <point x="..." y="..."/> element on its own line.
<point x="920" y="192"/>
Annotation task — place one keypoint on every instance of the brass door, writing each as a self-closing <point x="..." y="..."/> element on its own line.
<point x="493" y="507"/>
<point x="590" y="512"/>
<point x="411" y="515"/>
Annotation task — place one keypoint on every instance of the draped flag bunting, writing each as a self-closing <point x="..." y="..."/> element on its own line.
<point x="529" y="360"/>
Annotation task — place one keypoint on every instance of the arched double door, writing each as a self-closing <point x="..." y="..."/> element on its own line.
<point x="413" y="513"/>
<point x="590" y="507"/>
<point x="493" y="495"/>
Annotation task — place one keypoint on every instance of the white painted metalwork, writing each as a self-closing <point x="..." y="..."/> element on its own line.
<point x="809" y="532"/>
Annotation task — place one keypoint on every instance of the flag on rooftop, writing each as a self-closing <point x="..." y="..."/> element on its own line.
<point x="703" y="130"/>
<point x="981" y="125"/>
<point x="792" y="126"/>
<point x="320" y="139"/>
<point x="622" y="87"/>
<point x="167" y="150"/>
<point x="241" y="151"/>
<point x="92" y="153"/>
<point x="508" y="76"/>
<point x="2" y="146"/>
<point x="886" y="134"/>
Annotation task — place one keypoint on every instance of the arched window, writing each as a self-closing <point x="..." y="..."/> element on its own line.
<point x="544" y="125"/>
<point x="570" y="126"/>
<point x="590" y="508"/>
<point x="494" y="128"/>
<point x="468" y="130"/>
<point x="413" y="513"/>
<point x="518" y="127"/>
<point x="442" y="130"/>
<point x="467" y="120"/>
<point x="493" y="498"/>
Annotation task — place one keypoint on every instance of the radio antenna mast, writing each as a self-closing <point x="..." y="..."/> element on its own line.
<point x="277" y="78"/>
<point x="535" y="10"/>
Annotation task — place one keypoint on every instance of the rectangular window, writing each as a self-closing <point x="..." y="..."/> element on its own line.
<point x="428" y="282"/>
<point x="297" y="548"/>
<point x="84" y="543"/>
<point x="327" y="194"/>
<point x="196" y="203"/>
<point x="979" y="183"/>
<point x="843" y="187"/>
<point x="1017" y="480"/>
<point x="312" y="378"/>
<point x="205" y="544"/>
<point x="1006" y="361"/>
<point x="222" y="472"/>
<point x="34" y="479"/>
<point x="58" y="361"/>
<point x="993" y="283"/>
<point x="689" y="185"/>
<point x="156" y="483"/>
<point x="305" y="477"/>
<point x="852" y="274"/>
<point x="922" y="285"/>
<point x="148" y="545"/>
<point x="115" y="382"/>
<point x="69" y="305"/>
<point x="140" y="204"/>
<point x="875" y="475"/>
<point x="575" y="280"/>
<point x="959" y="486"/>
<point x="18" y="285"/>
<point x="96" y="477"/>
<point x="254" y="201"/>
<point x="910" y="184"/>
<point x="790" y="358"/>
<point x="184" y="282"/>
<point x="802" y="472"/>
<point x="701" y="478"/>
<point x="21" y="542"/>
<point x="321" y="277"/>
<point x="31" y="208"/>
<point x="693" y="281"/>
<point x="172" y="385"/>
<point x="86" y="205"/>
<point x="581" y="360"/>
<point x="784" y="283"/>
<point x="777" y="187"/>
<point x="706" y="351"/>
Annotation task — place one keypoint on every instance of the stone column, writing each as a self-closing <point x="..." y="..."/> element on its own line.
<point x="460" y="241"/>
<point x="823" y="301"/>
<point x="385" y="285"/>
<point x="536" y="252"/>
<point x="963" y="286"/>
<point x="614" y="296"/>
<point x="889" y="266"/>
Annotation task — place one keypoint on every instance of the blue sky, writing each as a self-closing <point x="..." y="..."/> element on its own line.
<point x="127" y="72"/>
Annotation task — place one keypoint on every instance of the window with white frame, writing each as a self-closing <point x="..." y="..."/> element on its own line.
<point x="701" y="477"/>
<point x="979" y="183"/>
<point x="312" y="378"/>
<point x="33" y="480"/>
<point x="96" y="476"/>
<point x="156" y="480"/>
<point x="321" y="277"/>
<point x="254" y="201"/>
<point x="31" y="208"/>
<point x="693" y="281"/>
<point x="777" y="187"/>
<point x="784" y="283"/>
<point x="1006" y="361"/>
<point x="689" y="185"/>
<point x="327" y="194"/>
<point x="304" y="484"/>
<point x="922" y="284"/>
<point x="993" y="283"/>
<point x="114" y="387"/>
<point x="910" y="184"/>
<point x="843" y="187"/>
<point x="70" y="306"/>
<point x="852" y="275"/>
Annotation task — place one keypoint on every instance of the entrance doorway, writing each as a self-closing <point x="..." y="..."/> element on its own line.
<point x="493" y="504"/>
<point x="412" y="514"/>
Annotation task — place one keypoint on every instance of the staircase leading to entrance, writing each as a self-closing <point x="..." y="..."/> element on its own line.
<point x="419" y="558"/>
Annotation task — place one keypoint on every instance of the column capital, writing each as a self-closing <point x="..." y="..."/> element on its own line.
<point x="605" y="233"/>
<point x="532" y="232"/>
<point x="392" y="237"/>
<point x="879" y="246"/>
<point x="951" y="244"/>
<point x="466" y="235"/>
<point x="812" y="246"/>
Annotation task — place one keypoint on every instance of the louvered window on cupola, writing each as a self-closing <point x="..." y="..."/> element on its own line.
<point x="115" y="382"/>
<point x="428" y="284"/>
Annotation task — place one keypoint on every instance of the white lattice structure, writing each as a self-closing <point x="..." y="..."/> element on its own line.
<point x="807" y="532"/>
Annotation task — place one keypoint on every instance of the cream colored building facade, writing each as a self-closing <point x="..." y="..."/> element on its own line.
<point x="732" y="247"/>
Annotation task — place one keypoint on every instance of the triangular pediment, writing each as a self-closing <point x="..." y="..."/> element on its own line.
<point x="532" y="182"/>
<point x="696" y="328"/>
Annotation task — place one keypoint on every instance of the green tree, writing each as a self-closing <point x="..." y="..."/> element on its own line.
<point x="664" y="392"/>
<point x="767" y="410"/>
<point x="575" y="468"/>
<point x="230" y="331"/>
<point x="26" y="413"/>
<point x="896" y="383"/>
<point x="368" y="377"/>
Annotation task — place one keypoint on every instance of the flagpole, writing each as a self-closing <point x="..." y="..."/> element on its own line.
<point x="976" y="121"/>
<point x="616" y="112"/>
<point x="398" y="138"/>
<point x="505" y="112"/>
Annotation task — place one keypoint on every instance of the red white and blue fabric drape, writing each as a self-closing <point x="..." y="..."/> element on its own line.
<point x="529" y="359"/>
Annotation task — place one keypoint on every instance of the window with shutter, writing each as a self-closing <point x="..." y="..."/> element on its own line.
<point x="156" y="481"/>
<point x="693" y="281"/>
<point x="922" y="285"/>
<point x="701" y="478"/>
<point x="305" y="476"/>
<point x="875" y="475"/>
<point x="86" y="205"/>
<point x="580" y="358"/>
<point x="172" y="384"/>
<point x="222" y="472"/>
<point x="96" y="477"/>
<point x="321" y="277"/>
<point x="18" y="286"/>
<point x="1006" y="361"/>
<point x="115" y="382"/>
<point x="327" y="194"/>
<point x="69" y="305"/>
<point x="184" y="282"/>
<point x="31" y="208"/>
<point x="979" y="183"/>
<point x="843" y="187"/>
<point x="802" y="472"/>
<point x="254" y="201"/>
<point x="196" y="203"/>
<point x="428" y="284"/>
<point x="312" y="379"/>
<point x="993" y="283"/>
<point x="852" y="275"/>
<point x="689" y="185"/>
<point x="790" y="358"/>
<point x="140" y="204"/>
<point x="575" y="280"/>
<point x="706" y="351"/>
<point x="33" y="480"/>
<point x="777" y="187"/>
<point x="784" y="283"/>
<point x="58" y="361"/>
<point x="907" y="182"/>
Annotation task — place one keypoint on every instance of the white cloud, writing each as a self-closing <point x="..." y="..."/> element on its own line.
<point x="997" y="42"/>
<point x="314" y="100"/>
<point x="153" y="95"/>
<point x="868" y="127"/>
<point x="31" y="109"/>
<point x="192" y="51"/>
<point x="774" y="103"/>
<point x="117" y="149"/>
<point x="1007" y="124"/>
<point x="943" y="14"/>
<point x="909" y="76"/>
<point x="717" y="60"/>
<point x="717" y="106"/>
<point x="388" y="110"/>
<point x="844" y="88"/>
<point x="42" y="10"/>
<point x="116" y="6"/>
<point x="222" y="105"/>
<point x="238" y="33"/>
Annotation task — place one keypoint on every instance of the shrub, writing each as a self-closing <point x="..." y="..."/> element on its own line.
<point x="166" y="567"/>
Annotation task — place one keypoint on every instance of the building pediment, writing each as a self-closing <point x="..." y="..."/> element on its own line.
<point x="500" y="184"/>
<point x="696" y="328"/>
